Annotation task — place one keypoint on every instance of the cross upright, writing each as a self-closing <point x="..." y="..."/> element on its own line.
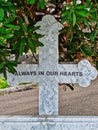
<point x="48" y="72"/>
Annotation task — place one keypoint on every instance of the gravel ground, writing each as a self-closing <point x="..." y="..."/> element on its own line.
<point x="81" y="101"/>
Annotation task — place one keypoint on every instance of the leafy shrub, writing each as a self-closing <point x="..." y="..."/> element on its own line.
<point x="17" y="33"/>
<point x="3" y="83"/>
<point x="80" y="30"/>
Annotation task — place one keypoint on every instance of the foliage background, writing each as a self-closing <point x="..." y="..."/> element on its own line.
<point x="78" y="38"/>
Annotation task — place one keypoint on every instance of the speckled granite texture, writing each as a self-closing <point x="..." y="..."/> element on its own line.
<point x="49" y="123"/>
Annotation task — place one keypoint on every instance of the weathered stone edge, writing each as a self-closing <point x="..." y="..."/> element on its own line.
<point x="18" y="88"/>
<point x="58" y="119"/>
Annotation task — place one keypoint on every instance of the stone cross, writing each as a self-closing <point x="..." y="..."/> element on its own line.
<point x="48" y="73"/>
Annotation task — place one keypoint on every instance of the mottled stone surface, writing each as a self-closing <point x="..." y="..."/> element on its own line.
<point x="48" y="61"/>
<point x="89" y="73"/>
<point x="48" y="123"/>
<point x="48" y="73"/>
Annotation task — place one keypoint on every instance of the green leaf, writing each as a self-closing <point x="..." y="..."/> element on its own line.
<point x="68" y="6"/>
<point x="42" y="4"/>
<point x="31" y="45"/>
<point x="65" y="13"/>
<point x="83" y="13"/>
<point x="31" y="1"/>
<point x="83" y="52"/>
<point x="2" y="44"/>
<point x="8" y="36"/>
<point x="22" y="25"/>
<point x="36" y="36"/>
<point x="3" y="83"/>
<point x="2" y="39"/>
<point x="11" y="10"/>
<point x="2" y="65"/>
<point x="6" y="3"/>
<point x="93" y="35"/>
<point x="79" y="7"/>
<point x="1" y="14"/>
<point x="14" y="63"/>
<point x="74" y="2"/>
<point x="16" y="46"/>
<point x="74" y="19"/>
<point x="63" y="19"/>
<point x="5" y="73"/>
<point x="4" y="30"/>
<point x="4" y="52"/>
<point x="10" y="65"/>
<point x="22" y="46"/>
<point x="86" y="50"/>
<point x="9" y="20"/>
<point x="37" y="43"/>
<point x="11" y="68"/>
<point x="86" y="22"/>
<point x="14" y="27"/>
<point x="34" y="28"/>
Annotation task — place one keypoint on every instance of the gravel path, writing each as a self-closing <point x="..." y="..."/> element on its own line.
<point x="81" y="101"/>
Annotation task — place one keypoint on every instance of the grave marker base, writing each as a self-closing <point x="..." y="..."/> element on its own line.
<point x="48" y="123"/>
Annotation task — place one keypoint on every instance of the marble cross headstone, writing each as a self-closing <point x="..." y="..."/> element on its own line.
<point x="48" y="73"/>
